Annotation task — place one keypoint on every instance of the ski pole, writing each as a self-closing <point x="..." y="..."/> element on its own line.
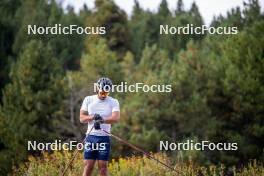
<point x="141" y="150"/>
<point x="75" y="154"/>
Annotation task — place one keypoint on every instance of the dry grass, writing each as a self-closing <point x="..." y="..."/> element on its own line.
<point x="53" y="164"/>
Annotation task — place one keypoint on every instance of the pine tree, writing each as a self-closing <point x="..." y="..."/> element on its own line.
<point x="31" y="12"/>
<point x="110" y="16"/>
<point x="8" y="29"/>
<point x="153" y="68"/>
<point x="195" y="14"/>
<point x="67" y="48"/>
<point x="252" y="11"/>
<point x="195" y="19"/>
<point x="136" y="9"/>
<point x="241" y="85"/>
<point x="137" y="30"/>
<point x="29" y="101"/>
<point x="163" y="10"/>
<point x="179" y="8"/>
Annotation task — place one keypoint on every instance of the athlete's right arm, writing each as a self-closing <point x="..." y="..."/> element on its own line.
<point x="84" y="117"/>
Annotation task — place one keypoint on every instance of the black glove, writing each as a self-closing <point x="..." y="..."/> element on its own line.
<point x="97" y="117"/>
<point x="98" y="120"/>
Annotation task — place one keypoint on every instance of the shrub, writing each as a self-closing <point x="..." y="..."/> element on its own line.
<point x="53" y="165"/>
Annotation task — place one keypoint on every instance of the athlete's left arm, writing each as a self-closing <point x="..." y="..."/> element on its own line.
<point x="114" y="118"/>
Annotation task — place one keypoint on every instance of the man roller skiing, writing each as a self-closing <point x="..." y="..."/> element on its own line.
<point x="99" y="111"/>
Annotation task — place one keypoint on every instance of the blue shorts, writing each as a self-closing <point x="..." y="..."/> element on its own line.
<point x="97" y="148"/>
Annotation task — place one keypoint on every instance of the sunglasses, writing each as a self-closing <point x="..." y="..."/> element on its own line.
<point x="103" y="94"/>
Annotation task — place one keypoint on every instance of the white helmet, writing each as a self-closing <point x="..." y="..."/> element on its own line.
<point x="104" y="84"/>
